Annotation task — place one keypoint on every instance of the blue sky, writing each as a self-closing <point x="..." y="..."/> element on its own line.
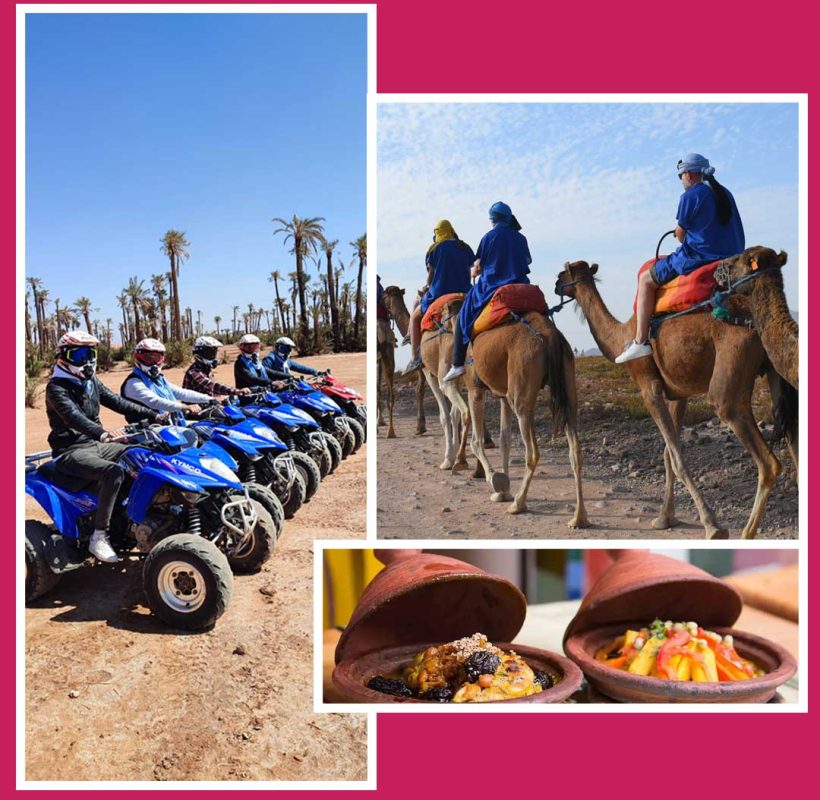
<point x="209" y="123"/>
<point x="587" y="181"/>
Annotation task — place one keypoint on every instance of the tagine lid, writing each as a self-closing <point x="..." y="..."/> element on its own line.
<point x="641" y="586"/>
<point x="423" y="598"/>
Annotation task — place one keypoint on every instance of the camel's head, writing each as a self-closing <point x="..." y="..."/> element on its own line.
<point x="750" y="261"/>
<point x="393" y="298"/>
<point x="571" y="275"/>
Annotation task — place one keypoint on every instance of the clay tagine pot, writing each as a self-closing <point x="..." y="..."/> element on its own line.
<point x="642" y="586"/>
<point x="421" y="600"/>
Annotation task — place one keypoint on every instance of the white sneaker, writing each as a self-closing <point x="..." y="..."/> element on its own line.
<point x="101" y="549"/>
<point x="454" y="373"/>
<point x="634" y="350"/>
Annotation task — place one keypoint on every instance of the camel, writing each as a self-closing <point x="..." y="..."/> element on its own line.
<point x="386" y="361"/>
<point x="693" y="354"/>
<point x="515" y="361"/>
<point x="767" y="303"/>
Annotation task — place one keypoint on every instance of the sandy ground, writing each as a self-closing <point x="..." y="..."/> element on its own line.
<point x="153" y="704"/>
<point x="622" y="483"/>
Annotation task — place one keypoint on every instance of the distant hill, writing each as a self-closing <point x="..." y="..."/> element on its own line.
<point x="593" y="351"/>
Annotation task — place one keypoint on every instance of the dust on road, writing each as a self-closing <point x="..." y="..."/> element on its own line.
<point x="111" y="694"/>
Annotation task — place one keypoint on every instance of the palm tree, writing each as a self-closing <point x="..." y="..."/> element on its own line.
<point x="286" y="311"/>
<point x="235" y="309"/>
<point x="217" y="321"/>
<point x="174" y="246"/>
<point x="360" y="248"/>
<point x="122" y="300"/>
<point x="137" y="295"/>
<point x="161" y="297"/>
<point x="28" y="320"/>
<point x="83" y="305"/>
<point x="329" y="247"/>
<point x="274" y="278"/>
<point x="37" y="296"/>
<point x="306" y="235"/>
<point x="251" y="317"/>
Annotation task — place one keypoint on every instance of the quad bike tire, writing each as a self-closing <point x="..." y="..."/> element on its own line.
<point x="39" y="577"/>
<point x="260" y="548"/>
<point x="348" y="444"/>
<point x="323" y="462"/>
<point x="306" y="467"/>
<point x="362" y="420"/>
<point x="176" y="567"/>
<point x="358" y="433"/>
<point x="272" y="504"/>
<point x="335" y="450"/>
<point x="296" y="496"/>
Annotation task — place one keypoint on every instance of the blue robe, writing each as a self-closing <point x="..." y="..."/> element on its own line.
<point x="450" y="261"/>
<point x="706" y="239"/>
<point x="505" y="258"/>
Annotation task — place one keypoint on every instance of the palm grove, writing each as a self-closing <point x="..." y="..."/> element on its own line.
<point x="321" y="314"/>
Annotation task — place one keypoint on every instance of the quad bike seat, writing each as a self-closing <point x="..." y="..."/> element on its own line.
<point x="51" y="473"/>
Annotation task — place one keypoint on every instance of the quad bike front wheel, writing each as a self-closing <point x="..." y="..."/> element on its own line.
<point x="296" y="496"/>
<point x="306" y="467"/>
<point x="39" y="577"/>
<point x="251" y="554"/>
<point x="335" y="451"/>
<point x="348" y="443"/>
<point x="187" y="581"/>
<point x="358" y="433"/>
<point x="267" y="497"/>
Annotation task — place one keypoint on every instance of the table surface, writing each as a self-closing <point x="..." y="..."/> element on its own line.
<point x="772" y="590"/>
<point x="546" y="622"/>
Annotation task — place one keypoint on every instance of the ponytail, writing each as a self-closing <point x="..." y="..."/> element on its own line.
<point x="724" y="204"/>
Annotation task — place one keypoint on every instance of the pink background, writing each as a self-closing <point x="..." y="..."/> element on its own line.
<point x="433" y="46"/>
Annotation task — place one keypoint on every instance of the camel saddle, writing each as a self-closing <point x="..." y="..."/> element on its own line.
<point x="684" y="291"/>
<point x="432" y="317"/>
<point x="382" y="312"/>
<point x="514" y="297"/>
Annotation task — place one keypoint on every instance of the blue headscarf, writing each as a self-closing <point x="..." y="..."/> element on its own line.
<point x="501" y="214"/>
<point x="695" y="162"/>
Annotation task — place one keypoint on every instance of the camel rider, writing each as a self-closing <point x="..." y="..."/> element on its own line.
<point x="147" y="386"/>
<point x="198" y="376"/>
<point x="279" y="360"/>
<point x="249" y="371"/>
<point x="503" y="257"/>
<point x="708" y="227"/>
<point x="82" y="447"/>
<point x="448" y="261"/>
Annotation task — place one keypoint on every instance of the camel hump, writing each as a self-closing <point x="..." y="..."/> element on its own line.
<point x="432" y="317"/>
<point x="519" y="297"/>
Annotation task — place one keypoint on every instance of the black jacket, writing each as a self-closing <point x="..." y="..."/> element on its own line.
<point x="245" y="377"/>
<point x="74" y="413"/>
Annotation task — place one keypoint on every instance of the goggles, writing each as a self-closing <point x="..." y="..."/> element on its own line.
<point x="207" y="352"/>
<point x="150" y="359"/>
<point x="79" y="356"/>
<point x="251" y="347"/>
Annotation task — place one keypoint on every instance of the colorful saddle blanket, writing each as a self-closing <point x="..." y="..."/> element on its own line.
<point x="518" y="297"/>
<point x="432" y="317"/>
<point x="382" y="312"/>
<point x="684" y="291"/>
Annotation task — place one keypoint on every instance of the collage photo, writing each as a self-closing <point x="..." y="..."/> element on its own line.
<point x="289" y="513"/>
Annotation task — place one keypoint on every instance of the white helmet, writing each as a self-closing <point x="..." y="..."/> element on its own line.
<point x="77" y="354"/>
<point x="205" y="350"/>
<point x="286" y="340"/>
<point x="250" y="344"/>
<point x="149" y="356"/>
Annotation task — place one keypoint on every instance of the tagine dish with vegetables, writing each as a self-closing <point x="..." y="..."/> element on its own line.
<point x="469" y="670"/>
<point x="678" y="651"/>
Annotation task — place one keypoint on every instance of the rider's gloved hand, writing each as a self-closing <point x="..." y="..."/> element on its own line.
<point x="192" y="409"/>
<point x="244" y="391"/>
<point x="115" y="435"/>
<point x="164" y="418"/>
<point x="278" y="386"/>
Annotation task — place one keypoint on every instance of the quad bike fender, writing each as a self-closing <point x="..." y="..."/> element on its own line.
<point x="148" y="483"/>
<point x="64" y="508"/>
<point x="60" y="553"/>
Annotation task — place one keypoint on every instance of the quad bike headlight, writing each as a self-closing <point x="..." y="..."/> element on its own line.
<point x="218" y="468"/>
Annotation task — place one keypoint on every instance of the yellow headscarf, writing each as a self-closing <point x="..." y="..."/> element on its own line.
<point x="442" y="232"/>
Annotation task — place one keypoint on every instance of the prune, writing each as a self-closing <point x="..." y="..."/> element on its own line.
<point x="438" y="694"/>
<point x="544" y="679"/>
<point x="397" y="688"/>
<point x="482" y="662"/>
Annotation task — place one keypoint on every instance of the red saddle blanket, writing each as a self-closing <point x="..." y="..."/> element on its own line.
<point x="432" y="317"/>
<point x="684" y="291"/>
<point x="382" y="312"/>
<point x="518" y="297"/>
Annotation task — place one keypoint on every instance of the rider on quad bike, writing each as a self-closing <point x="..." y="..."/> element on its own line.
<point x="249" y="371"/>
<point x="279" y="359"/>
<point x="199" y="378"/>
<point x="147" y="386"/>
<point x="86" y="450"/>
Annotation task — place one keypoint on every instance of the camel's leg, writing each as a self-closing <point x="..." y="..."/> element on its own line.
<point x="460" y="413"/>
<point x="776" y="391"/>
<point x="444" y="418"/>
<point x="666" y="519"/>
<point x="476" y="402"/>
<point x="579" y="518"/>
<point x="742" y="422"/>
<point x="531" y="455"/>
<point x="379" y="393"/>
<point x="652" y="395"/>
<point x="421" y="420"/>
<point x="391" y="397"/>
<point x="503" y="493"/>
<point x="489" y="444"/>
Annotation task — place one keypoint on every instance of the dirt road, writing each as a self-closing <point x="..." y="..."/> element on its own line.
<point x="623" y="479"/>
<point x="113" y="695"/>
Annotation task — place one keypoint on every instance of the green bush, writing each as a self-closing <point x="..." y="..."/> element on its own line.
<point x="105" y="358"/>
<point x="178" y="354"/>
<point x="123" y="353"/>
<point x="34" y="364"/>
<point x="32" y="390"/>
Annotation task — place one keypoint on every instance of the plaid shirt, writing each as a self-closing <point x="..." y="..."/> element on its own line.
<point x="198" y="378"/>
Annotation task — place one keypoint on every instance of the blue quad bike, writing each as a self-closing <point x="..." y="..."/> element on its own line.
<point x="180" y="505"/>
<point x="330" y="416"/>
<point x="265" y="462"/>
<point x="299" y="431"/>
